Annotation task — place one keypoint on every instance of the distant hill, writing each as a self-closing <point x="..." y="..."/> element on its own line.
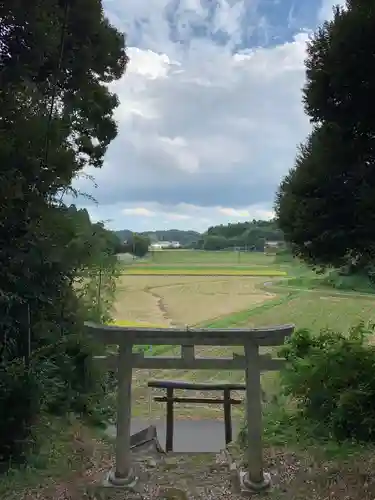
<point x="183" y="237"/>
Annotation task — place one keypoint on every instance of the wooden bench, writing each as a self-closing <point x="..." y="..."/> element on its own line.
<point x="170" y="399"/>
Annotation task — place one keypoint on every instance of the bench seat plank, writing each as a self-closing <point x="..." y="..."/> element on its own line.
<point x="198" y="386"/>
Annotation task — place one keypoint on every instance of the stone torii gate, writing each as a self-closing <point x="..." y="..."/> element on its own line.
<point x="252" y="362"/>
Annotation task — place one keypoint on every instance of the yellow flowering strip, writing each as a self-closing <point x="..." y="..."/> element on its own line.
<point x="143" y="324"/>
<point x="203" y="272"/>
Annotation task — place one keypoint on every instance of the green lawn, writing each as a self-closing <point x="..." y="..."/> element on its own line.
<point x="203" y="271"/>
<point x="202" y="258"/>
<point x="191" y="262"/>
<point x="304" y="310"/>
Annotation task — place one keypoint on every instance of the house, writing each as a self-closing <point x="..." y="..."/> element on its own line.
<point x="162" y="245"/>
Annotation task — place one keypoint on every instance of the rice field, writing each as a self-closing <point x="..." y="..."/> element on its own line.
<point x="182" y="289"/>
<point x="185" y="300"/>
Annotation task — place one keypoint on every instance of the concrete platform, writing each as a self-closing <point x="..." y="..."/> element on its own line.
<point x="190" y="436"/>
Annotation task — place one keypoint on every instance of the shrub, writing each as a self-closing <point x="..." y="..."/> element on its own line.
<point x="71" y="379"/>
<point x="346" y="280"/>
<point x="332" y="378"/>
<point x="20" y="401"/>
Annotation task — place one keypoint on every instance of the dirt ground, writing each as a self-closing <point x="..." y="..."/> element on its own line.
<point x="296" y="475"/>
<point x="185" y="300"/>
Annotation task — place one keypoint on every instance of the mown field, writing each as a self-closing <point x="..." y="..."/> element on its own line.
<point x="176" y="292"/>
<point x="196" y="262"/>
<point x="204" y="258"/>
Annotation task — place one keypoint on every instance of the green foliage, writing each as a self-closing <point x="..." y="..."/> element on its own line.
<point x="244" y="235"/>
<point x="332" y="378"/>
<point x="71" y="379"/>
<point x="325" y="205"/>
<point x="56" y="116"/>
<point x="96" y="289"/>
<point x="20" y="394"/>
<point x="215" y="242"/>
<point x="359" y="282"/>
<point x="136" y="245"/>
<point x="284" y="256"/>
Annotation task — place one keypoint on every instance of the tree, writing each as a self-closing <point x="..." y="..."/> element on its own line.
<point x="326" y="204"/>
<point x="137" y="245"/>
<point x="56" y="117"/>
<point x="251" y="235"/>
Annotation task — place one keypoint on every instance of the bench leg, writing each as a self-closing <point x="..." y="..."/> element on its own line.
<point x="170" y="421"/>
<point x="227" y="417"/>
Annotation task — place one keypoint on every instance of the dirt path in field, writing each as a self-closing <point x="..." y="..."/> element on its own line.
<point x="160" y="304"/>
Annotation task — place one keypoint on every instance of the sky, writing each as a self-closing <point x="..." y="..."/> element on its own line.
<point x="210" y="111"/>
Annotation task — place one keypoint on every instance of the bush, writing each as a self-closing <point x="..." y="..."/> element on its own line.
<point x="20" y="394"/>
<point x="63" y="378"/>
<point x="343" y="280"/>
<point x="71" y="379"/>
<point x="332" y="378"/>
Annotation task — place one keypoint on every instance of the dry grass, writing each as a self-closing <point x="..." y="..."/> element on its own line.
<point x="296" y="475"/>
<point x="185" y="300"/>
<point x="70" y="458"/>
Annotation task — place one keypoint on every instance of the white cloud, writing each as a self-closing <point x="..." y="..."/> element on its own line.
<point x="202" y="127"/>
<point x="232" y="212"/>
<point x="250" y="213"/>
<point x="148" y="216"/>
<point x="138" y="212"/>
<point x="156" y="211"/>
<point x="228" y="140"/>
<point x="172" y="217"/>
<point x="326" y="9"/>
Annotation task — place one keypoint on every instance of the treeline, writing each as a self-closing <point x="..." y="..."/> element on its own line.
<point x="56" y="118"/>
<point x="136" y="244"/>
<point x="248" y="236"/>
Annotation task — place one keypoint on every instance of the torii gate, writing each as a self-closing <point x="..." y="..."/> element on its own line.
<point x="253" y="363"/>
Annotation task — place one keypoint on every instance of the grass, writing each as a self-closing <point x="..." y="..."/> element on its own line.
<point x="65" y="452"/>
<point x="309" y="311"/>
<point x="308" y="466"/>
<point x="303" y="465"/>
<point x="156" y="350"/>
<point x="185" y="300"/>
<point x="201" y="271"/>
<point x="331" y="281"/>
<point x="203" y="301"/>
<point x="201" y="257"/>
<point x="238" y="318"/>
